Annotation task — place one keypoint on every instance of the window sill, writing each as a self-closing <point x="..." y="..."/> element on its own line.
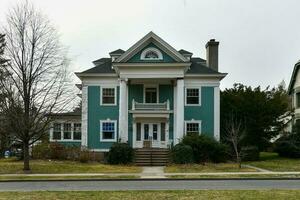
<point x="192" y="104"/>
<point x="108" y="140"/>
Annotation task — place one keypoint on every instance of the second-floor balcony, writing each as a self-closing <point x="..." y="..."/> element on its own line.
<point x="136" y="106"/>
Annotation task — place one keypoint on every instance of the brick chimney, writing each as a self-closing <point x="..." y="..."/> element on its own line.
<point x="212" y="54"/>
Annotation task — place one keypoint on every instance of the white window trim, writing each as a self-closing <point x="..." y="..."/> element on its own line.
<point x="101" y="95"/>
<point x="185" y="96"/>
<point x="62" y="131"/>
<point x="151" y="86"/>
<point x="195" y="122"/>
<point x="158" y="52"/>
<point x="115" y="133"/>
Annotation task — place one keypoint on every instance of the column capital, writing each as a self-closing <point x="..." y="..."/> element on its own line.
<point x="123" y="80"/>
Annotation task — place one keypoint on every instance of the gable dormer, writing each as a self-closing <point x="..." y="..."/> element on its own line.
<point x="151" y="53"/>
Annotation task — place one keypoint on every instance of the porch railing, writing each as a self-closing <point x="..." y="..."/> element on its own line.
<point x="151" y="106"/>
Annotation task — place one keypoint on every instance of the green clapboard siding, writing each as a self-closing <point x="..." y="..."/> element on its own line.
<point x="70" y="143"/>
<point x="205" y="112"/>
<point x="97" y="113"/>
<point x="136" y="57"/>
<point x="134" y="92"/>
<point x="167" y="92"/>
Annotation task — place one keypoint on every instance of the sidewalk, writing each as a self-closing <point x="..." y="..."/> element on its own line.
<point x="153" y="173"/>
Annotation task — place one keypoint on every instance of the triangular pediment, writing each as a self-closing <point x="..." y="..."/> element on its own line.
<point x="151" y="40"/>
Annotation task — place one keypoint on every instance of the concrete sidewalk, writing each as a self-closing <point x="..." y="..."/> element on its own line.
<point x="152" y="172"/>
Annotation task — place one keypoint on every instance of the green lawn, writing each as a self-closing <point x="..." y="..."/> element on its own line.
<point x="272" y="162"/>
<point x="208" y="167"/>
<point x="11" y="166"/>
<point x="157" y="195"/>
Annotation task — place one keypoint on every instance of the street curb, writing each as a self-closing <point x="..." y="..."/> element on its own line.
<point x="150" y="179"/>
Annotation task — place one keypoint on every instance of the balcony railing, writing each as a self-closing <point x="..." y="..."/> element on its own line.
<point x="151" y="106"/>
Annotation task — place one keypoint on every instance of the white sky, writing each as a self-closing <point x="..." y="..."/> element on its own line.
<point x="259" y="39"/>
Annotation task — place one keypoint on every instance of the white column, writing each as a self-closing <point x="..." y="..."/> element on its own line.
<point x="84" y="117"/>
<point x="179" y="111"/>
<point x="123" y="112"/>
<point x="217" y="113"/>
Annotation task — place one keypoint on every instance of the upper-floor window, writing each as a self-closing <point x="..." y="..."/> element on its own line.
<point x="151" y="95"/>
<point x="192" y="96"/>
<point x="108" y="96"/>
<point x="151" y="54"/>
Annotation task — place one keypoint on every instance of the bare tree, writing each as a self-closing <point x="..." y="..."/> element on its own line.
<point x="234" y="133"/>
<point x="37" y="69"/>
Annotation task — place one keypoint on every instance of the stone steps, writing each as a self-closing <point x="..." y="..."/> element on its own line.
<point x="152" y="157"/>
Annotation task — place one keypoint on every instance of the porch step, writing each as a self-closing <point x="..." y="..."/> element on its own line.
<point x="152" y="157"/>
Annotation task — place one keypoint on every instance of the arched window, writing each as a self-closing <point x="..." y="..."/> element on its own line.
<point x="151" y="54"/>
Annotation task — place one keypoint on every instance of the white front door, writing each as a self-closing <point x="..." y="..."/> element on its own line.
<point x="154" y="133"/>
<point x="151" y="132"/>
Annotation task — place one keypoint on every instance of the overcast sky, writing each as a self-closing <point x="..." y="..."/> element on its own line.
<point x="259" y="39"/>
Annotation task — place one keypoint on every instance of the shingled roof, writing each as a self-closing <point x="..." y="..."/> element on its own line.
<point x="117" y="52"/>
<point x="102" y="65"/>
<point x="183" y="52"/>
<point x="199" y="66"/>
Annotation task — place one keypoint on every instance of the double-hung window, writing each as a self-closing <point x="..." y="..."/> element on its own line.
<point x="108" y="130"/>
<point x="77" y="131"/>
<point x="56" y="131"/>
<point x="67" y="131"/>
<point x="108" y="96"/>
<point x="192" y="96"/>
<point x="192" y="127"/>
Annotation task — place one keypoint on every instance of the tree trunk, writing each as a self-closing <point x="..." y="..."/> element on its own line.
<point x="26" y="156"/>
<point x="239" y="162"/>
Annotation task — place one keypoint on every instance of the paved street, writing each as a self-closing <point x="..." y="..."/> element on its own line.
<point x="150" y="185"/>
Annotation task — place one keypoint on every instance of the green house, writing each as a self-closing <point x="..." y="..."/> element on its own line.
<point x="150" y="95"/>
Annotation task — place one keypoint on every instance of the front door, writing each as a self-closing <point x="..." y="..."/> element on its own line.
<point x="151" y="134"/>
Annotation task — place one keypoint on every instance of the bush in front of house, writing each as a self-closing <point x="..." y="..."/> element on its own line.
<point x="54" y="150"/>
<point x="182" y="154"/>
<point x="250" y="153"/>
<point x="288" y="146"/>
<point x="120" y="153"/>
<point x="206" y="149"/>
<point x="41" y="151"/>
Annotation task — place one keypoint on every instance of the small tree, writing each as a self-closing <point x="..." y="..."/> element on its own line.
<point x="37" y="70"/>
<point x="234" y="135"/>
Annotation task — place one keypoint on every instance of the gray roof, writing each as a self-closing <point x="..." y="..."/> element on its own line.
<point x="102" y="65"/>
<point x="198" y="66"/>
<point x="182" y="51"/>
<point x="117" y="52"/>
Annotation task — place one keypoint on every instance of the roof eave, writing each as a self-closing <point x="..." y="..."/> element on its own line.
<point x="82" y="75"/>
<point x="220" y="76"/>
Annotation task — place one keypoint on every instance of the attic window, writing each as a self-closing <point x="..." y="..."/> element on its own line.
<point x="151" y="54"/>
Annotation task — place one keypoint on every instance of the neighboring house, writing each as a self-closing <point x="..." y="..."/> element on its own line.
<point x="66" y="128"/>
<point x="149" y="96"/>
<point x="294" y="92"/>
